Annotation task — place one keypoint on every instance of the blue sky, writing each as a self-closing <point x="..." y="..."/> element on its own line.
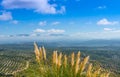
<point x="59" y="20"/>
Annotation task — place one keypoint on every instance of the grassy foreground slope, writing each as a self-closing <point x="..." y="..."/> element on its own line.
<point x="61" y="65"/>
<point x="105" y="57"/>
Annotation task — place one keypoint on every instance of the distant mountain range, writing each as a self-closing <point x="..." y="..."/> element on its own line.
<point x="76" y="43"/>
<point x="81" y="43"/>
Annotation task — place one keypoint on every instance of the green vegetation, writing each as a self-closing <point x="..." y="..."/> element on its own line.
<point x="60" y="65"/>
<point x="18" y="54"/>
<point x="12" y="61"/>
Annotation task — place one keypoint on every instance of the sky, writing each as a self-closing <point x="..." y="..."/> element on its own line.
<point x="50" y="20"/>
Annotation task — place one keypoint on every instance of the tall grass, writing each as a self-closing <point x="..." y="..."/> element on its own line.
<point x="61" y="65"/>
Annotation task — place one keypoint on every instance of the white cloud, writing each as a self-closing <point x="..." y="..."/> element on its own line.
<point x="102" y="7"/>
<point x="39" y="31"/>
<point x="108" y="29"/>
<point x="49" y="31"/>
<point x="56" y="31"/>
<point x="41" y="6"/>
<point x="55" y="23"/>
<point x="42" y="23"/>
<point x="104" y="21"/>
<point x="62" y="10"/>
<point x="14" y="22"/>
<point x="113" y="34"/>
<point x="5" y="16"/>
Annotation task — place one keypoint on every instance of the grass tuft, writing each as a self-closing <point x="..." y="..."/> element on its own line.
<point x="63" y="66"/>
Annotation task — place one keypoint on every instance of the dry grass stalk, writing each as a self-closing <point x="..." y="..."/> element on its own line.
<point x="54" y="57"/>
<point x="97" y="72"/>
<point x="89" y="71"/>
<point x="102" y="75"/>
<point x="107" y="74"/>
<point x="78" y="67"/>
<point x="77" y="63"/>
<point x="59" y="60"/>
<point x="83" y="63"/>
<point x="72" y="59"/>
<point x="38" y="59"/>
<point x="44" y="53"/>
<point x="36" y="50"/>
<point x="37" y="53"/>
<point x="41" y="53"/>
<point x="65" y="61"/>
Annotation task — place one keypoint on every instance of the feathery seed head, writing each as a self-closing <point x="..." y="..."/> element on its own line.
<point x="97" y="72"/>
<point x="83" y="63"/>
<point x="72" y="59"/>
<point x="65" y="60"/>
<point x="54" y="57"/>
<point x="37" y="53"/>
<point x="41" y="53"/>
<point x="59" y="60"/>
<point x="89" y="70"/>
<point x="107" y="74"/>
<point x="77" y="63"/>
<point x="44" y="52"/>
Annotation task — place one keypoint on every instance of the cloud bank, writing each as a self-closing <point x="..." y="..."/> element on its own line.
<point x="49" y="31"/>
<point x="104" y="21"/>
<point x="5" y="16"/>
<point x="40" y="6"/>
